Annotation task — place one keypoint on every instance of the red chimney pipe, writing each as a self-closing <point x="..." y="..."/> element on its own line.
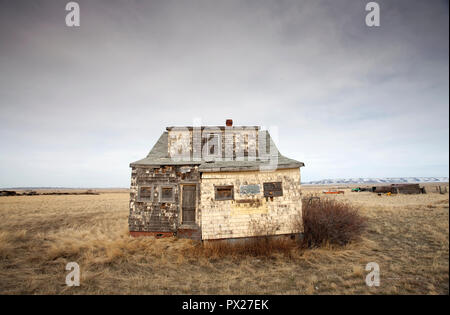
<point x="229" y="122"/>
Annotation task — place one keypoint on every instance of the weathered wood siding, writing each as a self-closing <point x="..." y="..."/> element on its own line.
<point x="250" y="213"/>
<point x="231" y="142"/>
<point x="158" y="215"/>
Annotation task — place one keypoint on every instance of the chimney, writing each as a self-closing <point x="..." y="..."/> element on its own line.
<point x="229" y="122"/>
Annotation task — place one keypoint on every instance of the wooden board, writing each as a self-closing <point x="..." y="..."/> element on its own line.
<point x="188" y="203"/>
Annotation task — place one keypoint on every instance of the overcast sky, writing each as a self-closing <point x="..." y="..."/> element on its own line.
<point x="77" y="105"/>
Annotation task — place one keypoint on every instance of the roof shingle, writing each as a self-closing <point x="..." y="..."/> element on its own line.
<point x="159" y="156"/>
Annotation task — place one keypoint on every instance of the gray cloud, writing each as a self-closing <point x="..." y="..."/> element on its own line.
<point x="77" y="105"/>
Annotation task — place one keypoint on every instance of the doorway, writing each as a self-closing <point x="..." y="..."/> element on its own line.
<point x="188" y="202"/>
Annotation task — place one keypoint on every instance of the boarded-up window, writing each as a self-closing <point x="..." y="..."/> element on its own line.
<point x="249" y="189"/>
<point x="224" y="192"/>
<point x="273" y="189"/>
<point x="145" y="193"/>
<point x="167" y="194"/>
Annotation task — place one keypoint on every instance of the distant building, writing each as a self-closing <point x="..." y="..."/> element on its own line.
<point x="215" y="183"/>
<point x="400" y="189"/>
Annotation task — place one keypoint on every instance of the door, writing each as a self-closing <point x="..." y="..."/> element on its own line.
<point x="188" y="203"/>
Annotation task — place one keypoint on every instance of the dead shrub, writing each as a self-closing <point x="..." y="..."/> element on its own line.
<point x="328" y="221"/>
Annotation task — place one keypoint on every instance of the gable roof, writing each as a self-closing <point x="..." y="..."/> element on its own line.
<point x="159" y="156"/>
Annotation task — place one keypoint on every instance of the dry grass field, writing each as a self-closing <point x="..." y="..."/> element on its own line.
<point x="407" y="235"/>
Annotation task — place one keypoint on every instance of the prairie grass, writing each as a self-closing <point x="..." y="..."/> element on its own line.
<point x="262" y="247"/>
<point x="39" y="235"/>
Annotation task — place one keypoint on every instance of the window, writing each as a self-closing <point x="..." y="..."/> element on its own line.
<point x="167" y="194"/>
<point x="246" y="145"/>
<point x="273" y="189"/>
<point x="145" y="193"/>
<point x="249" y="189"/>
<point x="224" y="192"/>
<point x="213" y="145"/>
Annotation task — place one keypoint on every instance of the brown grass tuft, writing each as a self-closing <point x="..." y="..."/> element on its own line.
<point x="263" y="247"/>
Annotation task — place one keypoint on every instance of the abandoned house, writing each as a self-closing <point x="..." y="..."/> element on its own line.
<point x="212" y="183"/>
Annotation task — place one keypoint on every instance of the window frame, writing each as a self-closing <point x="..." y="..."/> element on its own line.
<point x="209" y="138"/>
<point x="161" y="199"/>
<point x="273" y="193"/>
<point x="141" y="199"/>
<point x="216" y="188"/>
